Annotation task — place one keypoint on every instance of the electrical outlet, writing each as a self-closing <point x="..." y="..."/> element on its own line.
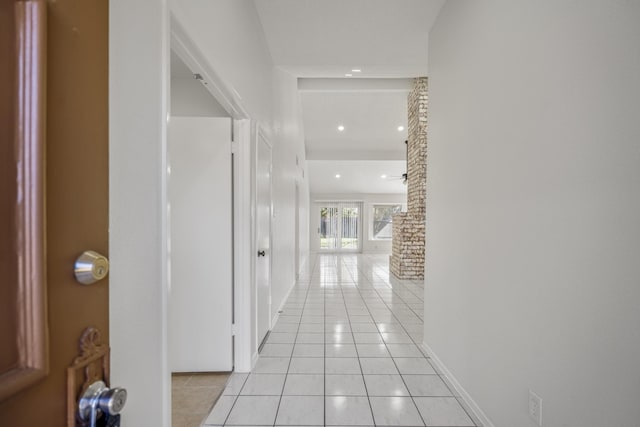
<point x="535" y="408"/>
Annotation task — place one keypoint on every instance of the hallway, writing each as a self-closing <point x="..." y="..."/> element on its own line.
<point x="344" y="351"/>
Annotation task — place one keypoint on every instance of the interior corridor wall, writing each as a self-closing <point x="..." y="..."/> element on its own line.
<point x="533" y="201"/>
<point x="289" y="168"/>
<point x="138" y="284"/>
<point x="230" y="36"/>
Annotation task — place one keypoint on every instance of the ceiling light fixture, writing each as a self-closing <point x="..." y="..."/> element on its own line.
<point x="383" y="176"/>
<point x="356" y="70"/>
<point x="400" y="128"/>
<point x="340" y="128"/>
<point x="337" y="175"/>
<point x="348" y="75"/>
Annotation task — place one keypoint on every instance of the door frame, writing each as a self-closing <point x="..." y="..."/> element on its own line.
<point x="243" y="190"/>
<point x="139" y="284"/>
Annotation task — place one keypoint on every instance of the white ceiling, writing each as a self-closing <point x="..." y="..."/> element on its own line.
<point x="356" y="177"/>
<point x="327" y="38"/>
<point x="370" y="121"/>
<point x="320" y="41"/>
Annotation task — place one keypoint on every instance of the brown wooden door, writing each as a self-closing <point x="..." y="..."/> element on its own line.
<point x="76" y="207"/>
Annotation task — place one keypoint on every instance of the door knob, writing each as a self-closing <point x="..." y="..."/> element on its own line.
<point x="100" y="398"/>
<point x="91" y="267"/>
<point x="261" y="253"/>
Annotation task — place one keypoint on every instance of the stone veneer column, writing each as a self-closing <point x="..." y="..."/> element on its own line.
<point x="408" y="239"/>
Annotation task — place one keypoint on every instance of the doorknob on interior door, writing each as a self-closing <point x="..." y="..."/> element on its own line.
<point x="261" y="253"/>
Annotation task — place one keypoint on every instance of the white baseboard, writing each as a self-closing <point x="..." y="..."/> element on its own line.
<point x="464" y="395"/>
<point x="304" y="259"/>
<point x="254" y="360"/>
<point x="275" y="318"/>
<point x="284" y="301"/>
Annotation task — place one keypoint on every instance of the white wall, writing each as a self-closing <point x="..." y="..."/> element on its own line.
<point x="138" y="90"/>
<point x="230" y="36"/>
<point x="229" y="33"/>
<point x="191" y="99"/>
<point x="369" y="245"/>
<point x="533" y="207"/>
<point x="288" y="144"/>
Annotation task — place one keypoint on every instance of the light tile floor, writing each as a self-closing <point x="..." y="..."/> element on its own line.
<point x="344" y="352"/>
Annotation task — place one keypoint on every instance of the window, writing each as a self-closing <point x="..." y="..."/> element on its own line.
<point x="340" y="226"/>
<point x="382" y="217"/>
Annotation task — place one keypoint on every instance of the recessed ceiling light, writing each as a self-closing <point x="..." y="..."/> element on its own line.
<point x="383" y="176"/>
<point x="340" y="128"/>
<point x="356" y="70"/>
<point x="337" y="175"/>
<point x="348" y="75"/>
<point x="400" y="128"/>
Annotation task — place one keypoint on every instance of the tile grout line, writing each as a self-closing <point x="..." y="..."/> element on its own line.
<point x="324" y="361"/>
<point x="440" y="376"/>
<point x="399" y="321"/>
<point x="378" y="298"/>
<point x="401" y="377"/>
<point x="284" y="384"/>
<point x="356" y="347"/>
<point x="235" y="400"/>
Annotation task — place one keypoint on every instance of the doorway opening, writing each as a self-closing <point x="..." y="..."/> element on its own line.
<point x="200" y="202"/>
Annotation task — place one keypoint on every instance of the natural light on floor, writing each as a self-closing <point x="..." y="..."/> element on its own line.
<point x="345" y="351"/>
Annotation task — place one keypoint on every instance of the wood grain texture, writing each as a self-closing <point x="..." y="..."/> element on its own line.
<point x="27" y="340"/>
<point x="8" y="188"/>
<point x="76" y="187"/>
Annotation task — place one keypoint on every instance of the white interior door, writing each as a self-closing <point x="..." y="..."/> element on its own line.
<point x="263" y="236"/>
<point x="200" y="198"/>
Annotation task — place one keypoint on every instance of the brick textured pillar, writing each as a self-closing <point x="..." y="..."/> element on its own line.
<point x="408" y="245"/>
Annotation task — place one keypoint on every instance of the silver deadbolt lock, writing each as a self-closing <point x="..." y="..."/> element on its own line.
<point x="98" y="398"/>
<point x="91" y="267"/>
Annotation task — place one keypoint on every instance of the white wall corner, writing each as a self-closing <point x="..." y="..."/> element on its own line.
<point x="138" y="207"/>
<point x="276" y="316"/>
<point x="254" y="360"/>
<point x="304" y="259"/>
<point x="474" y="410"/>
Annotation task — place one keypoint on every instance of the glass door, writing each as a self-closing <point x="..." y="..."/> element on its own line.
<point x="340" y="226"/>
